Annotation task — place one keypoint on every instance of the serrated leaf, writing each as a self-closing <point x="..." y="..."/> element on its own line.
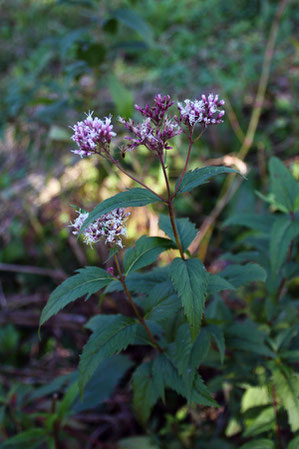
<point x="162" y="309"/>
<point x="286" y="382"/>
<point x="217" y="284"/>
<point x="171" y="378"/>
<point x="190" y="281"/>
<point x="111" y="335"/>
<point x="283" y="185"/>
<point x="283" y="231"/>
<point x="186" y="230"/>
<point x="199" y="176"/>
<point x="188" y="359"/>
<point x="261" y="443"/>
<point x="135" y="197"/>
<point x="145" y="252"/>
<point x="238" y="275"/>
<point x="253" y="221"/>
<point x="145" y="393"/>
<point x="89" y="280"/>
<point x="217" y="333"/>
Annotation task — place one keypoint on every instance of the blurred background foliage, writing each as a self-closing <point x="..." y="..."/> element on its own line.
<point x="61" y="58"/>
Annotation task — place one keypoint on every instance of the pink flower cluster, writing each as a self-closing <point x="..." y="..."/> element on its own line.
<point x="155" y="131"/>
<point x="156" y="113"/>
<point x="205" y="111"/>
<point x="109" y="227"/>
<point x="92" y="135"/>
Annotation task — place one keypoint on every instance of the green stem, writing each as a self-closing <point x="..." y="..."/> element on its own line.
<point x="170" y="209"/>
<point x="137" y="313"/>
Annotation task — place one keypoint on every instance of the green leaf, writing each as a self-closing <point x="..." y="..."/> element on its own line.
<point x="145" y="252"/>
<point x="217" y="284"/>
<point x="190" y="281"/>
<point x="111" y="334"/>
<point x="255" y="397"/>
<point x="246" y="336"/>
<point x="217" y="333"/>
<point x="162" y="309"/>
<point x="134" y="21"/>
<point x="64" y="407"/>
<point x="89" y="280"/>
<point x="283" y="231"/>
<point x="261" y="443"/>
<point x="283" y="185"/>
<point x="29" y="439"/>
<point x="137" y="443"/>
<point x="294" y="444"/>
<point x="122" y="97"/>
<point x="145" y="393"/>
<point x="171" y="378"/>
<point x="93" y="54"/>
<point x="135" y="197"/>
<point x="189" y="356"/>
<point x="103" y="382"/>
<point x="199" y="176"/>
<point x="286" y="382"/>
<point x="253" y="221"/>
<point x="186" y="230"/>
<point x="264" y="422"/>
<point x="238" y="275"/>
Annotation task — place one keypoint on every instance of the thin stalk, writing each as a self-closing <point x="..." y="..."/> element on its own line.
<point x="170" y="209"/>
<point x="186" y="164"/>
<point x="115" y="162"/>
<point x="140" y="318"/>
<point x="278" y="430"/>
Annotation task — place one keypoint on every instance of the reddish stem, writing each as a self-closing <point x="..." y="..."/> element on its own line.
<point x="137" y="313"/>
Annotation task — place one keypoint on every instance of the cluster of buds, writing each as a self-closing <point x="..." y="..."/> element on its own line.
<point x="157" y="112"/>
<point x="153" y="137"/>
<point x="205" y="111"/>
<point x="155" y="131"/>
<point x="109" y="227"/>
<point x="92" y="135"/>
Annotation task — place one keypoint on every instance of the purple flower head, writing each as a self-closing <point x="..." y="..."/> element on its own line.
<point x="109" y="227"/>
<point x="92" y="135"/>
<point x="205" y="111"/>
<point x="110" y="271"/>
<point x="155" y="130"/>
<point x="157" y="112"/>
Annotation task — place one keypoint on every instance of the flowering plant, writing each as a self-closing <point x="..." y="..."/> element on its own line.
<point x="167" y="302"/>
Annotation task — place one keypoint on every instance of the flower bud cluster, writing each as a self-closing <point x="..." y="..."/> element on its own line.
<point x="156" y="113"/>
<point x="155" y="131"/>
<point x="205" y="111"/>
<point x="109" y="227"/>
<point x="92" y="135"/>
